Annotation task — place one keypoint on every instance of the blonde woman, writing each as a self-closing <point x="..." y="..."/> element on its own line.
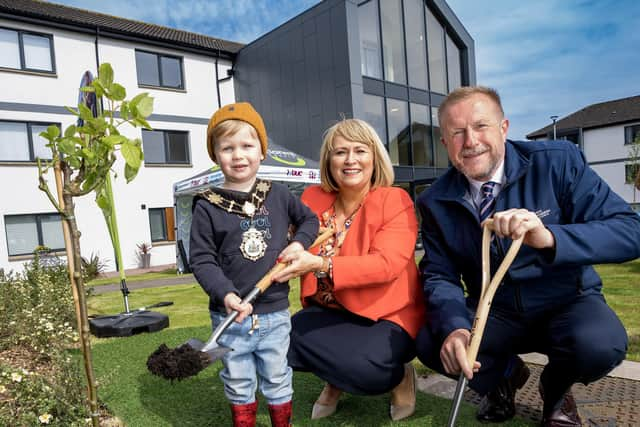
<point x="361" y="297"/>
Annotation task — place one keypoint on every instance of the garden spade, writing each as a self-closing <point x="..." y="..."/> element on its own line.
<point x="489" y="288"/>
<point x="193" y="356"/>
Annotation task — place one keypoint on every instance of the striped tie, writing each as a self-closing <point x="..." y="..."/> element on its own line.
<point x="488" y="202"/>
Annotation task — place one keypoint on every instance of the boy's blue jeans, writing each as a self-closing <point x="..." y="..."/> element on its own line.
<point x="260" y="345"/>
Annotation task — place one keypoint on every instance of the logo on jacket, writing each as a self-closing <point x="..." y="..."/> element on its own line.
<point x="542" y="213"/>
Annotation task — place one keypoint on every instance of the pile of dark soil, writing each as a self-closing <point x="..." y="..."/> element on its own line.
<point x="178" y="363"/>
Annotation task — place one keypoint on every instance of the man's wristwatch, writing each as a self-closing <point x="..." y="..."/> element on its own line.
<point x="324" y="270"/>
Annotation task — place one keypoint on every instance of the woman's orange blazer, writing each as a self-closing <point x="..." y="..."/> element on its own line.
<point x="375" y="274"/>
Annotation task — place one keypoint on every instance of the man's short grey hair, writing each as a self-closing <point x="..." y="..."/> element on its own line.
<point x="465" y="92"/>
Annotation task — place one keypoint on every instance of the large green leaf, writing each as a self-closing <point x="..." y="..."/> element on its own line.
<point x="124" y="110"/>
<point x="145" y="106"/>
<point x="131" y="153"/>
<point x="105" y="75"/>
<point x="117" y="92"/>
<point x="85" y="112"/>
<point x="70" y="131"/>
<point x="141" y="105"/>
<point x="130" y="173"/>
<point x="67" y="146"/>
<point x="102" y="200"/>
<point x="113" y="140"/>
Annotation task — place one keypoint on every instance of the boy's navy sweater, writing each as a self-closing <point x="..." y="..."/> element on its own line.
<point x="216" y="235"/>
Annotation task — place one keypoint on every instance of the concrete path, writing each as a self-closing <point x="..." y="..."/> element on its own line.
<point x="610" y="401"/>
<point x="182" y="279"/>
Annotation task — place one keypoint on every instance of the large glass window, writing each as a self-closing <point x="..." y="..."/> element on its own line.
<point x="374" y="115"/>
<point x="392" y="41"/>
<point x="163" y="146"/>
<point x="442" y="158"/>
<point x="453" y="65"/>
<point x="24" y="50"/>
<point x="26" y="232"/>
<point x="398" y="122"/>
<point x="435" y="43"/>
<point x="21" y="141"/>
<point x="421" y="135"/>
<point x="370" y="40"/>
<point x="159" y="70"/>
<point x="416" y="43"/>
<point x="631" y="133"/>
<point x="161" y="222"/>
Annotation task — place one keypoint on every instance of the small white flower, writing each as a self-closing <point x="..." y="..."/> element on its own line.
<point x="15" y="377"/>
<point x="2" y="389"/>
<point x="45" y="418"/>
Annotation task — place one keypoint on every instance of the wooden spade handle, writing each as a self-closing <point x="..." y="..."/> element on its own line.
<point x="265" y="282"/>
<point x="489" y="287"/>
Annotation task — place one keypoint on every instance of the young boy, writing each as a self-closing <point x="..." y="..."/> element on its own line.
<point x="237" y="234"/>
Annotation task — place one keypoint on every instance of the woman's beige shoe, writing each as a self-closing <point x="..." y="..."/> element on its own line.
<point x="327" y="402"/>
<point x="403" y="396"/>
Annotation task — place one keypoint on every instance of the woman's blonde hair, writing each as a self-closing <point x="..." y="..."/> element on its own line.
<point x="355" y="130"/>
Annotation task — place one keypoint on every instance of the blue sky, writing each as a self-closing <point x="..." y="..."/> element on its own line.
<point x="545" y="57"/>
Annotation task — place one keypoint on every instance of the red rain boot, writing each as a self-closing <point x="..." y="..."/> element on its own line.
<point x="244" y="415"/>
<point x="281" y="414"/>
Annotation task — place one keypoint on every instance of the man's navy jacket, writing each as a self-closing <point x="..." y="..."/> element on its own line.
<point x="591" y="225"/>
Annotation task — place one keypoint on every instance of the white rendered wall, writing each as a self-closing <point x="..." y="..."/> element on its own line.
<point x="75" y="53"/>
<point x="607" y="144"/>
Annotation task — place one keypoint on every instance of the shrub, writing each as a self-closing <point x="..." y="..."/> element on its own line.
<point x="37" y="306"/>
<point x="40" y="383"/>
<point x="50" y="392"/>
<point x="92" y="267"/>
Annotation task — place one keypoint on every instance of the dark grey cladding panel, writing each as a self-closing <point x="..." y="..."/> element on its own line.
<point x="343" y="101"/>
<point x="396" y="91"/>
<point x="426" y="173"/>
<point x="418" y="96"/>
<point x="436" y="99"/>
<point x="339" y="47"/>
<point x="301" y="72"/>
<point x="403" y="173"/>
<point x="324" y="53"/>
<point x="328" y="95"/>
<point x="373" y="86"/>
<point x="297" y="44"/>
<point x="312" y="75"/>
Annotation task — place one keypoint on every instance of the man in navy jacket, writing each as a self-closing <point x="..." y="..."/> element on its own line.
<point x="550" y="300"/>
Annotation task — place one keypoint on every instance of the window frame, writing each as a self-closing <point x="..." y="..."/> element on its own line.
<point x="29" y="124"/>
<point x="628" y="131"/>
<point x="165" y="140"/>
<point x="630" y="179"/>
<point x="23" y="66"/>
<point x="159" y="57"/>
<point x="38" y="222"/>
<point x="168" y="225"/>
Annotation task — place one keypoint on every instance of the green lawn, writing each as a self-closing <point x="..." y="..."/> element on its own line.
<point x="621" y="287"/>
<point x="140" y="399"/>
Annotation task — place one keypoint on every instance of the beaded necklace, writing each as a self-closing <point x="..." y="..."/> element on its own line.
<point x="253" y="246"/>
<point x="333" y="244"/>
<point x="331" y="247"/>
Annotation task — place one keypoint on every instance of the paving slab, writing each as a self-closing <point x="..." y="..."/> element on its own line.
<point x="610" y="401"/>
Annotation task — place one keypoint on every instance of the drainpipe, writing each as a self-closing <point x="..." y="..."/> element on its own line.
<point x="218" y="80"/>
<point x="97" y="52"/>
